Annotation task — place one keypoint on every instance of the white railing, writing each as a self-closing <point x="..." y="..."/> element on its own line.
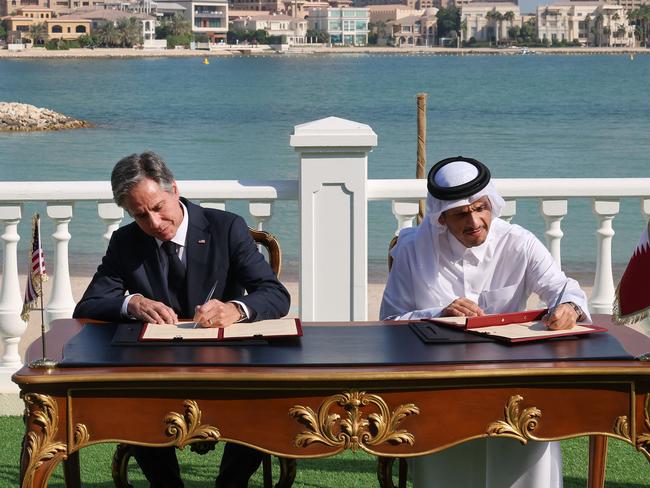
<point x="332" y="193"/>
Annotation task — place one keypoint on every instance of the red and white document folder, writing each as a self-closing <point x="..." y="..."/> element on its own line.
<point x="514" y="327"/>
<point x="189" y="331"/>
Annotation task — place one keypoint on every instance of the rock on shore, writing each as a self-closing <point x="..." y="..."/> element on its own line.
<point x="24" y="117"/>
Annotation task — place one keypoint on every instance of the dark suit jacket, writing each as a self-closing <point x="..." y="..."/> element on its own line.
<point x="218" y="246"/>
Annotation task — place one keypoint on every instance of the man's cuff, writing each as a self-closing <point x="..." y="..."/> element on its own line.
<point x="244" y="308"/>
<point x="124" y="311"/>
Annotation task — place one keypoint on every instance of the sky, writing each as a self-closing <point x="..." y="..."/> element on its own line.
<point x="530" y="6"/>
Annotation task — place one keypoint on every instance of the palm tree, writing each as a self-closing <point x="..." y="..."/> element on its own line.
<point x="130" y="31"/>
<point x="491" y="16"/>
<point x="179" y="25"/>
<point x="109" y="35"/>
<point x="38" y="33"/>
<point x="509" y="16"/>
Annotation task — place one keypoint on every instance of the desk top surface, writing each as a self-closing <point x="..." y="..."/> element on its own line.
<point x="525" y="361"/>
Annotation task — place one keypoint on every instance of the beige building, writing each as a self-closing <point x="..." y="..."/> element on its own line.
<point x="55" y="27"/>
<point x="415" y="30"/>
<point x="485" y="21"/>
<point x="11" y="7"/>
<point x="293" y="30"/>
<point x="388" y="12"/>
<point x="591" y="24"/>
<point x="97" y="18"/>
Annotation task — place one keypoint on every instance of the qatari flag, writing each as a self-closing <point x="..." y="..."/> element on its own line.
<point x="632" y="302"/>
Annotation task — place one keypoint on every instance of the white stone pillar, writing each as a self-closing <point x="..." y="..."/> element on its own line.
<point x="61" y="304"/>
<point x="333" y="218"/>
<point x="12" y="326"/>
<point x="553" y="212"/>
<point x="112" y="215"/>
<point x="602" y="296"/>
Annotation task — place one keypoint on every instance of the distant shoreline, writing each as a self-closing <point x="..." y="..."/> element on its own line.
<point x="122" y="53"/>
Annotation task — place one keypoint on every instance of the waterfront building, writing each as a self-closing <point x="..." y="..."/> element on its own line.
<point x="209" y="17"/>
<point x="98" y="18"/>
<point x="589" y="23"/>
<point x="412" y="4"/>
<point x="489" y="21"/>
<point x="417" y="29"/>
<point x="11" y="7"/>
<point x="66" y="29"/>
<point x="292" y="30"/>
<point x="346" y="26"/>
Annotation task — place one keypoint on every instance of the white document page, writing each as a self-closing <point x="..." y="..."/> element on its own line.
<point x="527" y="329"/>
<point x="266" y="328"/>
<point x="183" y="330"/>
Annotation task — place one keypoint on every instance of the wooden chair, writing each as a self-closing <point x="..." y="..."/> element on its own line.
<point x="124" y="452"/>
<point x="385" y="464"/>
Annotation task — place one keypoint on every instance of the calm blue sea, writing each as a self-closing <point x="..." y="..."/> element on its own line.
<point x="525" y="116"/>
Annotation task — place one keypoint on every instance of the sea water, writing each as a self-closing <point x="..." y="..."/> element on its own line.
<point x="524" y="116"/>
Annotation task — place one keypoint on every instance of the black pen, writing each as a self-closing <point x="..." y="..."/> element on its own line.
<point x="207" y="299"/>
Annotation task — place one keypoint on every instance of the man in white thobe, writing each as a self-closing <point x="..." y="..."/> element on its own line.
<point x="465" y="261"/>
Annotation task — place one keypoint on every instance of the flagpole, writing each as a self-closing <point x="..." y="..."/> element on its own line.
<point x="44" y="362"/>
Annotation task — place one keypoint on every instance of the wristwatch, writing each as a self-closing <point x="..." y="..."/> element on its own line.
<point x="577" y="310"/>
<point x="242" y="312"/>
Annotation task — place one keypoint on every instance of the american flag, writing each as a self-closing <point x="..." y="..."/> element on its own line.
<point x="37" y="274"/>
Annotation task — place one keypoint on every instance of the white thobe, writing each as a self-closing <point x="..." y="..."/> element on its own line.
<point x="499" y="275"/>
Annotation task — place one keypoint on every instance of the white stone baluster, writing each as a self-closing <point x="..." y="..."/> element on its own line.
<point x="645" y="209"/>
<point x="553" y="212"/>
<point x="509" y="210"/>
<point x="61" y="302"/>
<point x="405" y="213"/>
<point x="12" y="326"/>
<point x="602" y="296"/>
<point x="333" y="218"/>
<point x="112" y="216"/>
<point x="261" y="213"/>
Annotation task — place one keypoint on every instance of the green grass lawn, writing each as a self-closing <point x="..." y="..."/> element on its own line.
<point x="626" y="468"/>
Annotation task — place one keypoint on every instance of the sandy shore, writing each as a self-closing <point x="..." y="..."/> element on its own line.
<point x="263" y="51"/>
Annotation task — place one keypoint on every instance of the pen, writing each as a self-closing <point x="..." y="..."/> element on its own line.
<point x="207" y="299"/>
<point x="559" y="300"/>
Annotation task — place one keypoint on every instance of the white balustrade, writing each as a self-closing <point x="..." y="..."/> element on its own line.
<point x="509" y="210"/>
<point x="645" y="208"/>
<point x="261" y="213"/>
<point x="553" y="212"/>
<point x="112" y="215"/>
<point x="405" y="213"/>
<point x="333" y="218"/>
<point x="12" y="326"/>
<point x="61" y="303"/>
<point x="602" y="296"/>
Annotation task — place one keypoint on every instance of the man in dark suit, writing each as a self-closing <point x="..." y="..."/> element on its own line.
<point x="162" y="266"/>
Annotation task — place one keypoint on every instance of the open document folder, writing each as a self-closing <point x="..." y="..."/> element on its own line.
<point x="514" y="327"/>
<point x="187" y="331"/>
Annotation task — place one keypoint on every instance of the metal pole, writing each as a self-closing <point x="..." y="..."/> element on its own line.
<point x="422" y="146"/>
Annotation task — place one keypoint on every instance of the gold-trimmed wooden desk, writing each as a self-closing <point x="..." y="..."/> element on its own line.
<point x="318" y="411"/>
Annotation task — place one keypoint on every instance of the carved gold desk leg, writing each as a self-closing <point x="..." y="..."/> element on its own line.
<point x="71" y="471"/>
<point x="597" y="461"/>
<point x="40" y="451"/>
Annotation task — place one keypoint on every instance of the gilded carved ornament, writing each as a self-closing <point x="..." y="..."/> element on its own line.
<point x="356" y="431"/>
<point x="186" y="428"/>
<point x="622" y="428"/>
<point x="39" y="446"/>
<point x="643" y="441"/>
<point x="517" y="425"/>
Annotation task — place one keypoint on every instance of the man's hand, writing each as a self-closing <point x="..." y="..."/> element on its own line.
<point x="563" y="317"/>
<point x="216" y="314"/>
<point x="151" y="311"/>
<point x="462" y="307"/>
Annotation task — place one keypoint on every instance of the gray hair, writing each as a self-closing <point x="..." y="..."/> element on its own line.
<point x="131" y="170"/>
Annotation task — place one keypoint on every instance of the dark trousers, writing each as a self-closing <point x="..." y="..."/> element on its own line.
<point x="160" y="466"/>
